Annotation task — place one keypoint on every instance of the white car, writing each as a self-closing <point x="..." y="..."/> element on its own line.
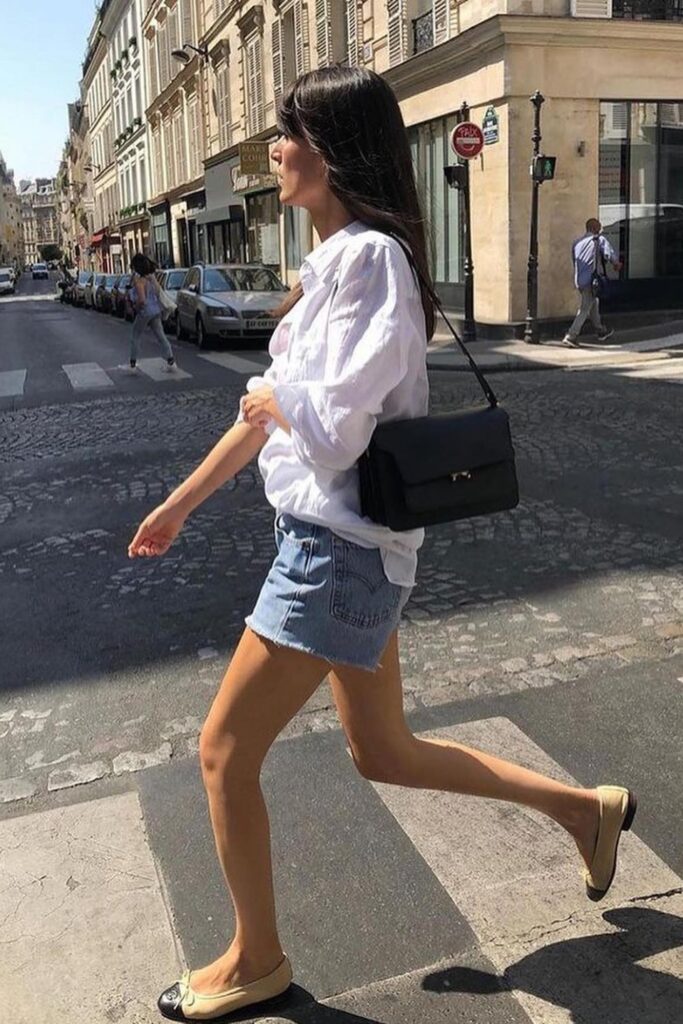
<point x="6" y="281"/>
<point x="170" y="281"/>
<point x="39" y="270"/>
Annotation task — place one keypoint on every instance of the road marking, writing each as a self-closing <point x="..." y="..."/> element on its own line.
<point x="515" y="877"/>
<point x="671" y="370"/>
<point x="87" y="375"/>
<point x="12" y="383"/>
<point x="157" y="369"/>
<point x="654" y="344"/>
<point x="238" y="364"/>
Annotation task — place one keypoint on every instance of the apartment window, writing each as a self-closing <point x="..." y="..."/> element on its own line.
<point x="354" y="30"/>
<point x="173" y="42"/>
<point x="171" y="179"/>
<point x="158" y="161"/>
<point x="648" y="10"/>
<point x="218" y="7"/>
<point x="187" y="30"/>
<point x="253" y="51"/>
<point x="223" y="105"/>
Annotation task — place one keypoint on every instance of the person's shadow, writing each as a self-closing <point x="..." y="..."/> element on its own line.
<point x="596" y="977"/>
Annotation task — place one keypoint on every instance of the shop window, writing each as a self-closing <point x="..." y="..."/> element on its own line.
<point x="296" y="230"/>
<point x="440" y="204"/>
<point x="641" y="186"/>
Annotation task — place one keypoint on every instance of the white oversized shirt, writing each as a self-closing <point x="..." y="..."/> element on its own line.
<point x="350" y="354"/>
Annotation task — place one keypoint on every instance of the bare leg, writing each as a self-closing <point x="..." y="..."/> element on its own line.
<point x="384" y="749"/>
<point x="264" y="687"/>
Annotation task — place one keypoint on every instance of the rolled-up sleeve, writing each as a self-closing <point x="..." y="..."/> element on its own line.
<point x="373" y="322"/>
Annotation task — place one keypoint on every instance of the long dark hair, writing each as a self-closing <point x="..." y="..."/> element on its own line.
<point x="351" y="118"/>
<point x="142" y="264"/>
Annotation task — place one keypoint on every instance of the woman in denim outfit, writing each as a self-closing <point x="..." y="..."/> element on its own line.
<point x="144" y="296"/>
<point x="349" y="352"/>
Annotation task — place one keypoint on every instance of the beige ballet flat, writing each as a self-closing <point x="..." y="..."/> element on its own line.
<point x="617" y="810"/>
<point x="181" y="1002"/>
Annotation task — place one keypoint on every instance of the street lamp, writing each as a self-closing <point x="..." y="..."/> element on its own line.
<point x="531" y="324"/>
<point x="184" y="57"/>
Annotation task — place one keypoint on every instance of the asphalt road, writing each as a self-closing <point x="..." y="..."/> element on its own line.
<point x="553" y="633"/>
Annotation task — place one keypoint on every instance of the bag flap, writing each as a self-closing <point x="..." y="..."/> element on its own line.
<point x="431" y="447"/>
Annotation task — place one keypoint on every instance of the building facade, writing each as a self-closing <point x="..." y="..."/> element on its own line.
<point x="105" y="242"/>
<point x="11" y="230"/>
<point x="210" y="74"/>
<point x="122" y="28"/>
<point x="176" y="118"/>
<point x="39" y="216"/>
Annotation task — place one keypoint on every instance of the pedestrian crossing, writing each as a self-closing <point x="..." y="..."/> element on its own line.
<point x="93" y="376"/>
<point x="417" y="891"/>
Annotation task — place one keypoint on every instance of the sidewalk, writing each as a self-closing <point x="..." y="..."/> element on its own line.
<point x="626" y="348"/>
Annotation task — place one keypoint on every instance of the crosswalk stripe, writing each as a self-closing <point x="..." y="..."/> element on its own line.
<point x="156" y="369"/>
<point x="12" y="383"/>
<point x="236" y="363"/>
<point x="669" y="370"/>
<point x="84" y="376"/>
<point x="514" y="875"/>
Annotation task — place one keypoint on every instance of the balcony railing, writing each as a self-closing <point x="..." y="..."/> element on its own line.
<point x="423" y="32"/>
<point x="648" y="10"/>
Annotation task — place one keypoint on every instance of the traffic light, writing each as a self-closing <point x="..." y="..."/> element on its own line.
<point x="543" y="168"/>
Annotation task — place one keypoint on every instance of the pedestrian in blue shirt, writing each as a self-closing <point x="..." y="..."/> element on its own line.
<point x="590" y="253"/>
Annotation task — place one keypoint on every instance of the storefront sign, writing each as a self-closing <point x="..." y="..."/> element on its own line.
<point x="467" y="140"/>
<point x="254" y="158"/>
<point x="242" y="183"/>
<point x="490" y="127"/>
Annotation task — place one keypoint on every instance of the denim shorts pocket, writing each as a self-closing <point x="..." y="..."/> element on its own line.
<point x="361" y="594"/>
<point x="294" y="531"/>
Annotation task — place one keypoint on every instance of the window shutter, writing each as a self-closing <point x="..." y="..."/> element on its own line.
<point x="323" y="33"/>
<point x="440" y="14"/>
<point x="187" y="29"/>
<point x="173" y="43"/>
<point x="255" y="85"/>
<point x="352" y="42"/>
<point x="162" y="56"/>
<point x="591" y="8"/>
<point x="396" y="31"/>
<point x="278" y="69"/>
<point x="223" y="97"/>
<point x="301" y="37"/>
<point x="194" y="137"/>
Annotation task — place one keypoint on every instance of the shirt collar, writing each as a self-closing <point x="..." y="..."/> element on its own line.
<point x="321" y="264"/>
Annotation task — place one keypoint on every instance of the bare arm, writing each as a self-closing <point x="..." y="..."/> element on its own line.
<point x="235" y="449"/>
<point x="160" y="528"/>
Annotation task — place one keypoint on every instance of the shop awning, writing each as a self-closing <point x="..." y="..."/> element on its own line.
<point x="98" y="237"/>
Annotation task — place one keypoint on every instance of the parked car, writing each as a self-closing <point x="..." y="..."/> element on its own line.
<point x="89" y="290"/>
<point x="230" y="302"/>
<point x="39" y="270"/>
<point x="170" y="281"/>
<point x="82" y="281"/>
<point x="120" y="306"/>
<point x="104" y="293"/>
<point x="6" y="281"/>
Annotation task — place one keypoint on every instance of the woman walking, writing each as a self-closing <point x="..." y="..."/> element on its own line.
<point x="349" y="352"/>
<point x="147" y="304"/>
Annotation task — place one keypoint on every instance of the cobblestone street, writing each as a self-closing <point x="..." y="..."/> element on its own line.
<point x="111" y="664"/>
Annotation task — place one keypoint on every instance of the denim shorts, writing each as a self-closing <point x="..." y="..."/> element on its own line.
<point x="327" y="596"/>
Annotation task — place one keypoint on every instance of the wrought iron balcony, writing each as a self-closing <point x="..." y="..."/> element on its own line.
<point x="423" y="32"/>
<point x="648" y="10"/>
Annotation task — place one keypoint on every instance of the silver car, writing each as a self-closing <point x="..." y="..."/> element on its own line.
<point x="170" y="281"/>
<point x="230" y="302"/>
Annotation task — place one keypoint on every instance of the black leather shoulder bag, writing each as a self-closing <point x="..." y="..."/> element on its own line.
<point x="436" y="469"/>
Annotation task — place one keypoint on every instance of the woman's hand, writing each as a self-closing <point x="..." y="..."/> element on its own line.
<point x="156" y="533"/>
<point x="259" y="408"/>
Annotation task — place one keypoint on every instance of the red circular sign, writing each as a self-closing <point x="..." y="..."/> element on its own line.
<point x="467" y="140"/>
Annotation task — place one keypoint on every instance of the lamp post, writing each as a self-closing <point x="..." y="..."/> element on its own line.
<point x="531" y="325"/>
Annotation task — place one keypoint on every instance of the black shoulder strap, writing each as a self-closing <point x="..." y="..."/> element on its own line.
<point x="484" y="384"/>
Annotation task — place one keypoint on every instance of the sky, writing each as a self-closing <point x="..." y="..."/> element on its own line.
<point x="42" y="45"/>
